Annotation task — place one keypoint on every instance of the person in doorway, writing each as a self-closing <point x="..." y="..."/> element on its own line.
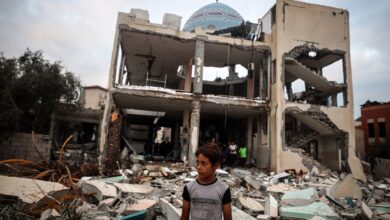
<point x="207" y="197"/>
<point x="243" y="153"/>
<point x="232" y="153"/>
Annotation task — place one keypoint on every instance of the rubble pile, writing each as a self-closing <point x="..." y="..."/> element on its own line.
<point x="149" y="190"/>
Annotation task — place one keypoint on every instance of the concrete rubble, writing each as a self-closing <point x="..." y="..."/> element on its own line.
<point x="154" y="189"/>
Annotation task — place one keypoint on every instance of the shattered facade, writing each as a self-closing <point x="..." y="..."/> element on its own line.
<point x="296" y="96"/>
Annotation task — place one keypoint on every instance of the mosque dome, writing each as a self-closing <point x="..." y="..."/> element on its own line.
<point x="214" y="16"/>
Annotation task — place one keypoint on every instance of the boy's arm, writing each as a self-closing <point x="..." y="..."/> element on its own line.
<point x="227" y="211"/>
<point x="185" y="213"/>
<point x="227" y="205"/>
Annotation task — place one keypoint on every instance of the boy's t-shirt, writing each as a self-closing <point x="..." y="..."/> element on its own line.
<point x="242" y="152"/>
<point x="206" y="201"/>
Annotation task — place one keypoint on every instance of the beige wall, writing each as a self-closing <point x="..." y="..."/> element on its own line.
<point x="296" y="24"/>
<point x="94" y="98"/>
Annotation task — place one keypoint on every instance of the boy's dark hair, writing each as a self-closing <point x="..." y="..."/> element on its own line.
<point x="211" y="151"/>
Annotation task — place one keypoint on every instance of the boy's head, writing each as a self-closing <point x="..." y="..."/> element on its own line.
<point x="207" y="160"/>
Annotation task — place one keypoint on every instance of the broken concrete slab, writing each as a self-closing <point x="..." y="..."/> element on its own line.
<point x="49" y="214"/>
<point x="309" y="211"/>
<point x="300" y="197"/>
<point x="347" y="187"/>
<point x="134" y="188"/>
<point x="222" y="173"/>
<point x="239" y="214"/>
<point x="292" y="160"/>
<point x="366" y="211"/>
<point x="280" y="176"/>
<point x="263" y="217"/>
<point x="356" y="166"/>
<point x="147" y="205"/>
<point x="271" y="206"/>
<point x="98" y="189"/>
<point x="169" y="210"/>
<point x="253" y="183"/>
<point x="280" y="188"/>
<point x="240" y="172"/>
<point x="114" y="179"/>
<point x="28" y="190"/>
<point x="253" y="206"/>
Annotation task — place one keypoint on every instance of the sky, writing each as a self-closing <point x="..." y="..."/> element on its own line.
<point x="80" y="34"/>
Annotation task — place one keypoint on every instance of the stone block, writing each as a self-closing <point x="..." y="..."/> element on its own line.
<point x="139" y="14"/>
<point x="172" y="20"/>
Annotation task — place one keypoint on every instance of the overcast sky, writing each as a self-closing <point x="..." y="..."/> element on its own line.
<point x="80" y="34"/>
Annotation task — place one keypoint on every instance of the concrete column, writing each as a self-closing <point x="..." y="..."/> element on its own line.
<point x="194" y="130"/>
<point x="289" y="91"/>
<point x="249" y="139"/>
<point x="261" y="80"/>
<point x="232" y="76"/>
<point x="269" y="69"/>
<point x="188" y="76"/>
<point x="199" y="62"/>
<point x="185" y="136"/>
<point x="334" y="100"/>
<point x="176" y="143"/>
<point x="250" y="88"/>
<point x="250" y="83"/>
<point x="121" y="69"/>
<point x="109" y="100"/>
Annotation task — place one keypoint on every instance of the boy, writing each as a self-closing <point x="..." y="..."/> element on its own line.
<point x="242" y="152"/>
<point x="206" y="197"/>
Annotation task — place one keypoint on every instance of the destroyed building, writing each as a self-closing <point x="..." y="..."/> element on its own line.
<point x="296" y="95"/>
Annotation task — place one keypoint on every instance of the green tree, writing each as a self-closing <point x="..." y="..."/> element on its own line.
<point x="32" y="89"/>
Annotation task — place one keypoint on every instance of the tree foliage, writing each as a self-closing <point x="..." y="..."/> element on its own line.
<point x="31" y="89"/>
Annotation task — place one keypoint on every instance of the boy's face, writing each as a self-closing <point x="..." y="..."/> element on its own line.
<point x="204" y="167"/>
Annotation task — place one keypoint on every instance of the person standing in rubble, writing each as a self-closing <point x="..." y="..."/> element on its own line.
<point x="232" y="153"/>
<point x="207" y="197"/>
<point x="243" y="153"/>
